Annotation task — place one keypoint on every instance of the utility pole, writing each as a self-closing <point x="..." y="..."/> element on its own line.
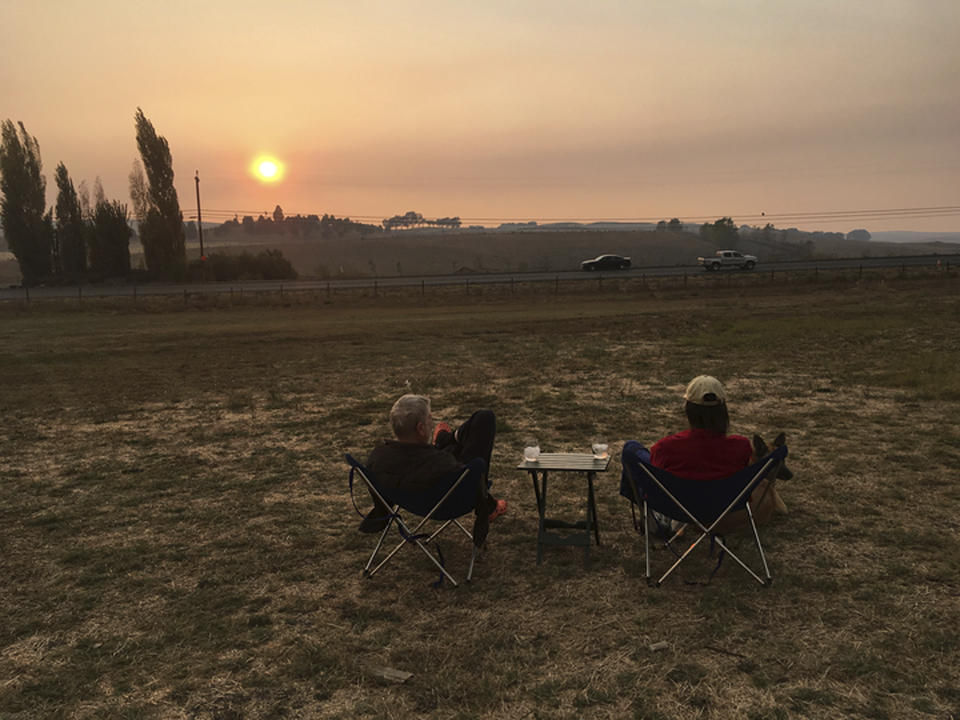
<point x="199" y="219"/>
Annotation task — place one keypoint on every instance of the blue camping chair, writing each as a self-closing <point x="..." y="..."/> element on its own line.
<point x="704" y="504"/>
<point x="446" y="502"/>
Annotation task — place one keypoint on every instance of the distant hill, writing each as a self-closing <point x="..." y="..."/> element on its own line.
<point x="911" y="236"/>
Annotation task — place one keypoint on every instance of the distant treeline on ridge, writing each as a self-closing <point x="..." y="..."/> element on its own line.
<point x="324" y="225"/>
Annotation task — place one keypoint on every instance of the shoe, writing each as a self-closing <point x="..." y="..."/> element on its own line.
<point x="499" y="510"/>
<point x="375" y="521"/>
<point x="663" y="526"/>
<point x="439" y="428"/>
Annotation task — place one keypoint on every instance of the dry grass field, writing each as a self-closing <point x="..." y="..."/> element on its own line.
<point x="177" y="539"/>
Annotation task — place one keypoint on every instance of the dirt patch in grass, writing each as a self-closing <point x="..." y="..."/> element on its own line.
<point x="179" y="541"/>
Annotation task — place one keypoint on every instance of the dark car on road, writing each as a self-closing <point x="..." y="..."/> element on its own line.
<point x="606" y="262"/>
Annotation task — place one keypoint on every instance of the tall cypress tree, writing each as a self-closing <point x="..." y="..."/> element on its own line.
<point x="161" y="222"/>
<point x="70" y="241"/>
<point x="27" y="228"/>
<point x="110" y="237"/>
<point x="112" y="257"/>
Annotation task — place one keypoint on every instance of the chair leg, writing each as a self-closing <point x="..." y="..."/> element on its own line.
<point x="646" y="539"/>
<point x="421" y="543"/>
<point x="439" y="530"/>
<point x="473" y="559"/>
<point x="383" y="536"/>
<point x="436" y="562"/>
<point x="763" y="557"/>
<point x="681" y="559"/>
<point x="756" y="538"/>
<point x="404" y="531"/>
<point x="741" y="563"/>
<point x="463" y="529"/>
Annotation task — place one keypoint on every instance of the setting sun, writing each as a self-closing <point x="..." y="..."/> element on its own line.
<point x="267" y="169"/>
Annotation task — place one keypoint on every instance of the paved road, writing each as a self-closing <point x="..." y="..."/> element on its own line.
<point x="123" y="290"/>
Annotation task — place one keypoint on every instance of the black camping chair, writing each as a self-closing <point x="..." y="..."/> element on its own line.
<point x="703" y="504"/>
<point x="446" y="502"/>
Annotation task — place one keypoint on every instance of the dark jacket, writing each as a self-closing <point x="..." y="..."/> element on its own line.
<point x="411" y="466"/>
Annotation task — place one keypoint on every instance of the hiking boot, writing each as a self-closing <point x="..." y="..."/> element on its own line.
<point x="499" y="510"/>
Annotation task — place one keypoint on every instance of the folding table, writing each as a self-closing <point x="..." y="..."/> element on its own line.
<point x="575" y="533"/>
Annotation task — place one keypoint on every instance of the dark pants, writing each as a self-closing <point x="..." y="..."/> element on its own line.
<point x="474" y="439"/>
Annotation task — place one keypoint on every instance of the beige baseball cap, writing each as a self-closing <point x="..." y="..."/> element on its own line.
<point x="705" y="390"/>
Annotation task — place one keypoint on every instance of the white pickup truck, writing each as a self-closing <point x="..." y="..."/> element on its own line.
<point x="728" y="258"/>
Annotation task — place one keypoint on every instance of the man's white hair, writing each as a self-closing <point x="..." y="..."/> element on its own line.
<point x="407" y="412"/>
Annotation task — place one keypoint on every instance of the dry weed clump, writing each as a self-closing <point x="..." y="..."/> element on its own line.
<point x="179" y="541"/>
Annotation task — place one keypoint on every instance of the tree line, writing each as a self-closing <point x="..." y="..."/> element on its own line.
<point x="414" y="219"/>
<point x="673" y="226"/>
<point x="723" y="233"/>
<point x="325" y="225"/>
<point x="297" y="225"/>
<point x="78" y="239"/>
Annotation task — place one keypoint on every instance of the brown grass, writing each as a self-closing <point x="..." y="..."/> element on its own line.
<point x="178" y="540"/>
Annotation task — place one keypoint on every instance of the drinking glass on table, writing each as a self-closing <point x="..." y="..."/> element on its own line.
<point x="531" y="450"/>
<point x="599" y="450"/>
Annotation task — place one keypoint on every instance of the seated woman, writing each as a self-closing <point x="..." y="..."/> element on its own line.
<point x="706" y="452"/>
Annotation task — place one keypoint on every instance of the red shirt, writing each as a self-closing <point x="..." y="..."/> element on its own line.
<point x="701" y="454"/>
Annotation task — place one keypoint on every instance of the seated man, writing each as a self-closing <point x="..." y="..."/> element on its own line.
<point x="706" y="452"/>
<point x="412" y="462"/>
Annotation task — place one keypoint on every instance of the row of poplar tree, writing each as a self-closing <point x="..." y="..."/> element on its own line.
<point x="77" y="239"/>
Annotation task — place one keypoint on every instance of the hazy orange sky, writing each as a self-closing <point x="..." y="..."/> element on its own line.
<point x="505" y="110"/>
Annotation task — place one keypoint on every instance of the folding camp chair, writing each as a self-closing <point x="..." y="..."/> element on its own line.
<point x="446" y="502"/>
<point x="703" y="504"/>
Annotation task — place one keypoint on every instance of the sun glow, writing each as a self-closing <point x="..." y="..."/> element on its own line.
<point x="267" y="169"/>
